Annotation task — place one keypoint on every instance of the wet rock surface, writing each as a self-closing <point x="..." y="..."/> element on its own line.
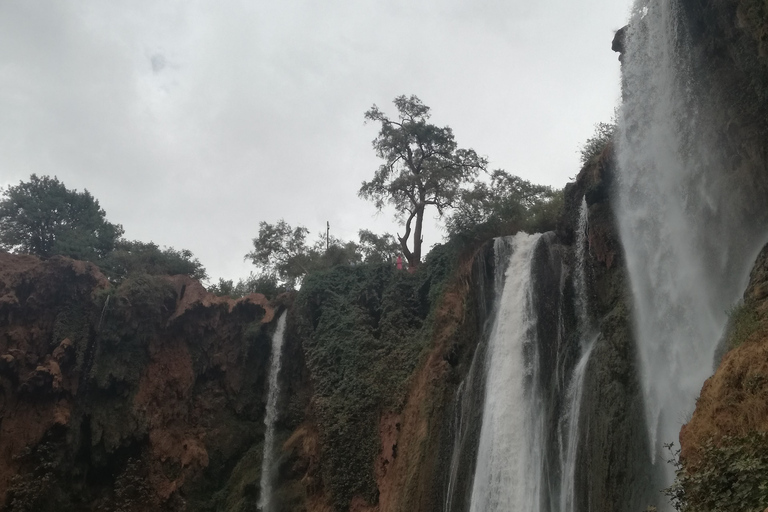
<point x="132" y="397"/>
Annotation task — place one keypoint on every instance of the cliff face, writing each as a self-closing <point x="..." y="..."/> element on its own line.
<point x="613" y="442"/>
<point x="385" y="351"/>
<point x="724" y="446"/>
<point x="139" y="397"/>
<point x="734" y="401"/>
<point x="151" y="395"/>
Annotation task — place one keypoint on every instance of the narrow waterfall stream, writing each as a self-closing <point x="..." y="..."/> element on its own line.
<point x="267" y="473"/>
<point x="688" y="242"/>
<point x="509" y="460"/>
<point x="587" y="336"/>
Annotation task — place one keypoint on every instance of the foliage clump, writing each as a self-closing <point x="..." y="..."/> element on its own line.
<point x="743" y="322"/>
<point x="595" y="145"/>
<point x="284" y="256"/>
<point x="266" y="284"/>
<point x="731" y="476"/>
<point x="43" y="217"/>
<point x="134" y="257"/>
<point x="504" y="206"/>
<point x="364" y="330"/>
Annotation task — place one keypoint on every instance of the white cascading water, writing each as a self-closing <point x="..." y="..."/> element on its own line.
<point x="270" y="417"/>
<point x="587" y="337"/>
<point x="509" y="461"/>
<point x="688" y="254"/>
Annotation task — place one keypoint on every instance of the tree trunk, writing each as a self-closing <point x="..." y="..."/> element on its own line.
<point x="404" y="239"/>
<point x="417" y="238"/>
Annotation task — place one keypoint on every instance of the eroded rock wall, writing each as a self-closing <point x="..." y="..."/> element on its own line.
<point x="137" y="397"/>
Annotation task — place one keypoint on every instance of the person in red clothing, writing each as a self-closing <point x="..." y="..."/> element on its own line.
<point x="399" y="262"/>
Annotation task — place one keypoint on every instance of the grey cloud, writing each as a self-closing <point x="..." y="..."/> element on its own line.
<point x="158" y="62"/>
<point x="193" y="121"/>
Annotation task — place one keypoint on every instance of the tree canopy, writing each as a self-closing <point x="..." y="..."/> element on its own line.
<point x="135" y="257"/>
<point x="504" y="206"/>
<point x="423" y="166"/>
<point x="282" y="254"/>
<point x="44" y="218"/>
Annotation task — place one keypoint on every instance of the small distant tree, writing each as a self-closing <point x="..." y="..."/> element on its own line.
<point x="43" y="217"/>
<point x="423" y="166"/>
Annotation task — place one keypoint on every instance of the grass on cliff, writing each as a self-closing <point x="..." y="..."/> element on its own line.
<point x="743" y="322"/>
<point x="364" y="330"/>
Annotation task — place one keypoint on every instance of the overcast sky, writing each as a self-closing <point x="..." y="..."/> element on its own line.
<point x="191" y="121"/>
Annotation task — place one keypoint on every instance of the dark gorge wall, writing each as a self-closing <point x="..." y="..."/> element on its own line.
<point x="138" y="397"/>
<point x="613" y="442"/>
<point x="151" y="394"/>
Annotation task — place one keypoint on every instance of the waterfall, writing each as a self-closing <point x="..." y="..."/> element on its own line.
<point x="570" y="421"/>
<point x="509" y="461"/>
<point x="270" y="417"/>
<point x="688" y="242"/>
<point x="580" y="283"/>
<point x="467" y="406"/>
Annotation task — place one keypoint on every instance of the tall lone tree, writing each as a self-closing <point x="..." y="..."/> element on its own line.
<point x="422" y="167"/>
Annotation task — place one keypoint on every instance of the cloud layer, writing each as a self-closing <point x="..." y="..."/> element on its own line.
<point x="191" y="121"/>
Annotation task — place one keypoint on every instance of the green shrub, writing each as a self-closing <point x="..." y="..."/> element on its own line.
<point x="131" y="257"/>
<point x="743" y="321"/>
<point x="732" y="476"/>
<point x="597" y="142"/>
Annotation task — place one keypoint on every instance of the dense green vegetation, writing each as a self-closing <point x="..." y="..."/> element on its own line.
<point x="732" y="476"/>
<point x="282" y="253"/>
<point x="595" y="145"/>
<point x="504" y="206"/>
<point x="364" y="329"/>
<point x="133" y="257"/>
<point x="45" y="218"/>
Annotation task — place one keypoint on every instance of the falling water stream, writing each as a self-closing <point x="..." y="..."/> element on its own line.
<point x="270" y="417"/>
<point x="587" y="337"/>
<point x="509" y="460"/>
<point x="689" y="241"/>
<point x="688" y="248"/>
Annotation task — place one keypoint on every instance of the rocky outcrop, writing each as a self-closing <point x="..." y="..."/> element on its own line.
<point x="133" y="397"/>
<point x="734" y="401"/>
<point x="724" y="447"/>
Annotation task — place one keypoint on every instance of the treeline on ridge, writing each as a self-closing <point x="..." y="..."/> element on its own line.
<point x="422" y="168"/>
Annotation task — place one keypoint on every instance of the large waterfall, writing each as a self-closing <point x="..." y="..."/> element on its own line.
<point x="509" y="460"/>
<point x="688" y="243"/>
<point x="270" y="418"/>
<point x="516" y="416"/>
